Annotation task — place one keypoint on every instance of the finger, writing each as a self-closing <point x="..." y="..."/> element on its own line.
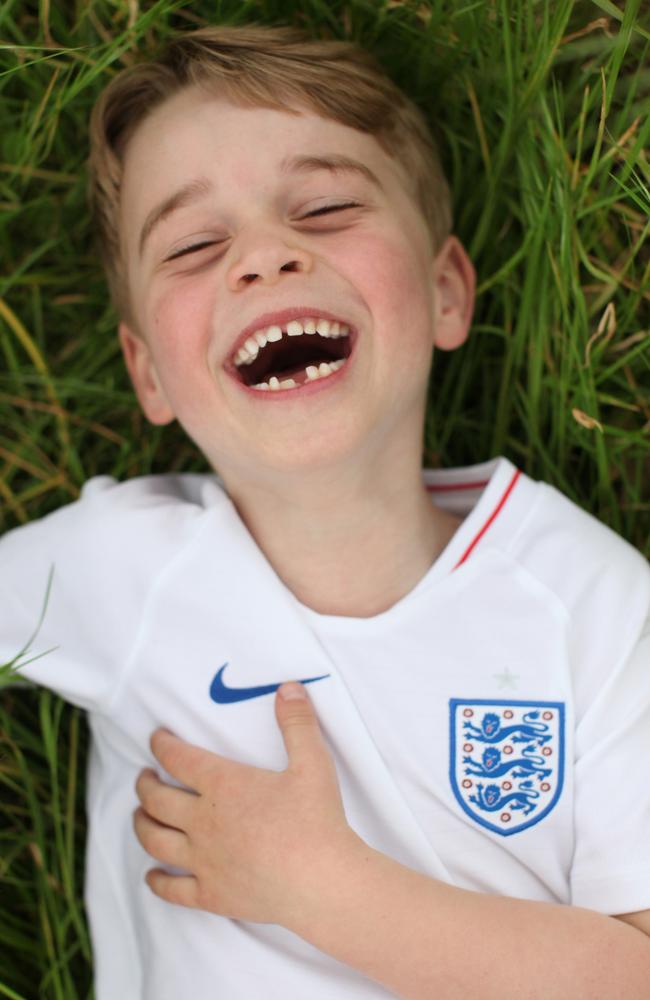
<point x="179" y="889"/>
<point x="161" y="842"/>
<point x="182" y="760"/>
<point x="163" y="802"/>
<point x="301" y="730"/>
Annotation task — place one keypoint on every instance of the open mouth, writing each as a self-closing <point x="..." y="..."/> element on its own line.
<point x="306" y="353"/>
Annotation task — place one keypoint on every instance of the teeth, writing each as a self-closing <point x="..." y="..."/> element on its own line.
<point x="271" y="334"/>
<point x="252" y="347"/>
<point x="312" y="371"/>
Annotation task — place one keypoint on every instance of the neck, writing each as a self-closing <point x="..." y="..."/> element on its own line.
<point x="350" y="545"/>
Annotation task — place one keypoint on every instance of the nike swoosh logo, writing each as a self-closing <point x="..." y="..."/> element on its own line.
<point x="226" y="695"/>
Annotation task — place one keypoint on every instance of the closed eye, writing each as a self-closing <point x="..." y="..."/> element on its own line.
<point x="193" y="248"/>
<point x="332" y="208"/>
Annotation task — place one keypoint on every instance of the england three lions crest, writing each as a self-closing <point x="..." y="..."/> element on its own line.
<point x="507" y="760"/>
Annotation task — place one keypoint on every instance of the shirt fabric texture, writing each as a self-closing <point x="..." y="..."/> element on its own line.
<point x="534" y="611"/>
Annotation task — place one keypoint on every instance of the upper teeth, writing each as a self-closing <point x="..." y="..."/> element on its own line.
<point x="247" y="354"/>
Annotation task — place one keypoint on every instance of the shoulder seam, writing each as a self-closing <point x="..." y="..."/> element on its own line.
<point x="511" y="547"/>
<point x="539" y="496"/>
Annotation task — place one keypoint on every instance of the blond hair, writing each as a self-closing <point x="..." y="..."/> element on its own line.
<point x="256" y="65"/>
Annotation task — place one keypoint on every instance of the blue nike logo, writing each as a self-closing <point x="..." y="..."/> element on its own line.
<point x="225" y="696"/>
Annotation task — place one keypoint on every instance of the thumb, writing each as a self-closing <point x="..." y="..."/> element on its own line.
<point x="298" y="722"/>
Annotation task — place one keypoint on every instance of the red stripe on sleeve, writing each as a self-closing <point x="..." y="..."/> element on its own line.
<point x="491" y="518"/>
<point x="442" y="487"/>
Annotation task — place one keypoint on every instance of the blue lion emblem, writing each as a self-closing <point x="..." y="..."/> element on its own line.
<point x="491" y="799"/>
<point x="491" y="730"/>
<point x="519" y="748"/>
<point x="492" y="764"/>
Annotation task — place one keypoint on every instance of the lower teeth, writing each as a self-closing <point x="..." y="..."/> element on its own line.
<point x="312" y="372"/>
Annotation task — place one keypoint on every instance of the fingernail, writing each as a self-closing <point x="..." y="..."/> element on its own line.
<point x="293" y="691"/>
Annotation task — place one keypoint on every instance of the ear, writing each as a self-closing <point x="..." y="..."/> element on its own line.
<point x="455" y="283"/>
<point x="144" y="376"/>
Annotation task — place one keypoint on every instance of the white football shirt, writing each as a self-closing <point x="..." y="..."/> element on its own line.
<point x="486" y="729"/>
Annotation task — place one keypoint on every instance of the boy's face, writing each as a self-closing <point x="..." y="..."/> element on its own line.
<point x="372" y="266"/>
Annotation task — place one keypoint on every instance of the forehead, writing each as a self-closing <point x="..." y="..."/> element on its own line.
<point x="193" y="122"/>
<point x="195" y="134"/>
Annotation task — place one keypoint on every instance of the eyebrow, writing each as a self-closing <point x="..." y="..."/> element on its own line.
<point x="199" y="188"/>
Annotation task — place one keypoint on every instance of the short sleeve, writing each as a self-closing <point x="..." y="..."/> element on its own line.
<point x="611" y="864"/>
<point x="100" y="556"/>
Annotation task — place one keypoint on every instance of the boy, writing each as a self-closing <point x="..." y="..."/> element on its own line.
<point x="276" y="234"/>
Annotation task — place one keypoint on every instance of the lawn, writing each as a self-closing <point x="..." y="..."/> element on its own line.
<point x="543" y="115"/>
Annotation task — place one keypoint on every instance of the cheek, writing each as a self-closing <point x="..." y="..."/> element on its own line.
<point x="180" y="324"/>
<point x="180" y="331"/>
<point x="395" y="276"/>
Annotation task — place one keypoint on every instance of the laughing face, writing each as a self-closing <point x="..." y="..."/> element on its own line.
<point x="286" y="309"/>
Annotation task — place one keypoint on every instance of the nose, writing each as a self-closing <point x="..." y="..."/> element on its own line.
<point x="264" y="259"/>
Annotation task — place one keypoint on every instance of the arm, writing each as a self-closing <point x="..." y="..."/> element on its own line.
<point x="275" y="847"/>
<point x="422" y="938"/>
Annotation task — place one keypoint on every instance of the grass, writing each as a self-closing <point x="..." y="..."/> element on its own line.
<point x="543" y="112"/>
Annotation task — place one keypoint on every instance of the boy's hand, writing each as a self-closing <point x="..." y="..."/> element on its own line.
<point x="257" y="842"/>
